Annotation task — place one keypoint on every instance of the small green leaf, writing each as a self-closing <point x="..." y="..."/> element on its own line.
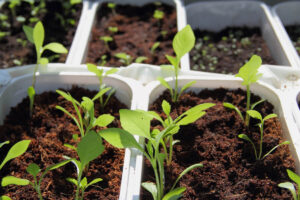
<point x="96" y="180"/>
<point x="233" y="107"/>
<point x="31" y="92"/>
<point x="173" y="60"/>
<point x="33" y="169"/>
<point x="256" y="103"/>
<point x="83" y="182"/>
<point x="11" y="180"/>
<point x="154" y="47"/>
<point x="29" y="33"/>
<point x="101" y="93"/>
<point x="166" y="107"/>
<point x="190" y="118"/>
<point x="5" y="198"/>
<point x="93" y="68"/>
<point x="58" y="165"/>
<point x="183" y="41"/>
<point x="68" y="97"/>
<point x="175" y="194"/>
<point x="89" y="148"/>
<point x="166" y="84"/>
<point x="111" y="71"/>
<point x="72" y="180"/>
<point x="140" y="59"/>
<point x="255" y="114"/>
<point x="44" y="61"/>
<point x="150" y="187"/>
<point x="70" y="146"/>
<point x="38" y="36"/>
<point x="4" y="143"/>
<point x="294" y="177"/>
<point x="186" y="86"/>
<point x="290" y="187"/>
<point x="103" y="120"/>
<point x="273" y="149"/>
<point x="16" y="150"/>
<point x="56" y="47"/>
<point x="269" y="116"/>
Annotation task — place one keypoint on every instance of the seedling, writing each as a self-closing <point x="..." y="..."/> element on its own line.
<point x="113" y="29"/>
<point x="164" y="33"/>
<point x="140" y="59"/>
<point x="127" y="59"/>
<point x="102" y="87"/>
<point x="88" y="121"/>
<point x="103" y="60"/>
<point x="288" y="185"/>
<point x="106" y="40"/>
<point x="249" y="74"/>
<point x="36" y="36"/>
<point x="183" y="42"/>
<point x="33" y="169"/>
<point x="138" y="123"/>
<point x="112" y="6"/>
<point x="154" y="47"/>
<point x="158" y="14"/>
<point x="89" y="148"/>
<point x="257" y="115"/>
<point x="12" y="6"/>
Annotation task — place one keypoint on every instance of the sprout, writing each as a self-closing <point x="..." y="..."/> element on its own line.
<point x="154" y="47"/>
<point x="113" y="29"/>
<point x="112" y="6"/>
<point x="288" y="185"/>
<point x="106" y="40"/>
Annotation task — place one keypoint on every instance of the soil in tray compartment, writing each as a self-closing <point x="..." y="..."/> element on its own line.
<point x="59" y="22"/>
<point x="230" y="171"/>
<point x="226" y="51"/>
<point x="294" y="33"/>
<point x="137" y="32"/>
<point x="48" y="130"/>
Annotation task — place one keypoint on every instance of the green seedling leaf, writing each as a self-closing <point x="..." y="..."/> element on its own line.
<point x="256" y="103"/>
<point x="273" y="149"/>
<point x="173" y="60"/>
<point x="245" y="137"/>
<point x="294" y="177"/>
<point x="38" y="36"/>
<point x="33" y="169"/>
<point x="135" y="122"/>
<point x="11" y="180"/>
<point x="93" y="68"/>
<point x="101" y="93"/>
<point x="70" y="146"/>
<point x="4" y="143"/>
<point x="249" y="72"/>
<point x="154" y="47"/>
<point x="58" y="165"/>
<point x="72" y="180"/>
<point x="140" y="59"/>
<point x="166" y="107"/>
<point x="44" y="61"/>
<point x="56" y="47"/>
<point x="111" y="71"/>
<point x="270" y="116"/>
<point x="97" y="180"/>
<point x="186" y="86"/>
<point x="5" y="198"/>
<point x="73" y="2"/>
<point x="175" y="194"/>
<point x="16" y="150"/>
<point x="69" y="114"/>
<point x="83" y="183"/>
<point x="89" y="148"/>
<point x="113" y="29"/>
<point x="255" y="114"/>
<point x="28" y="32"/>
<point x="106" y="39"/>
<point x="190" y="118"/>
<point x="103" y="120"/>
<point x="199" y="108"/>
<point x="68" y="97"/>
<point x="290" y="187"/>
<point x="233" y="107"/>
<point x="166" y="84"/>
<point x="158" y="14"/>
<point x="87" y="104"/>
<point x="150" y="187"/>
<point x="183" y="41"/>
<point x="167" y="68"/>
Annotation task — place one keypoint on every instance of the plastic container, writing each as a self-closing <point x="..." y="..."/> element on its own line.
<point x="55" y="76"/>
<point x="215" y="16"/>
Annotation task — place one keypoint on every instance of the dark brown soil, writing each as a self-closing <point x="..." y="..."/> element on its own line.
<point x="138" y="30"/>
<point x="13" y="53"/>
<point x="230" y="170"/>
<point x="226" y="51"/>
<point x="48" y="130"/>
<point x="294" y="33"/>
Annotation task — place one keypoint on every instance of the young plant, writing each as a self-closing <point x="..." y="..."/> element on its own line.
<point x="288" y="185"/>
<point x="88" y="121"/>
<point x="36" y="36"/>
<point x="112" y="6"/>
<point x="102" y="87"/>
<point x="106" y="40"/>
<point x="183" y="42"/>
<point x="113" y="29"/>
<point x="88" y="149"/>
<point x="158" y="14"/>
<point x="103" y="60"/>
<point x="127" y="59"/>
<point x="154" y="47"/>
<point x="249" y="74"/>
<point x="257" y="115"/>
<point x="33" y="169"/>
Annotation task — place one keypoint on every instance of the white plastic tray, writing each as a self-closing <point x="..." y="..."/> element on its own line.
<point x="56" y="76"/>
<point x="217" y="15"/>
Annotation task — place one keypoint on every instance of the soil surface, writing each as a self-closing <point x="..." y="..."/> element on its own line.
<point x="230" y="170"/>
<point x="49" y="129"/>
<point x="60" y="25"/>
<point x="294" y="33"/>
<point x="226" y="51"/>
<point x="137" y="32"/>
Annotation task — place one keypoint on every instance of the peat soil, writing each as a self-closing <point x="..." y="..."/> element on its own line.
<point x="294" y="33"/>
<point x="60" y="26"/>
<point x="226" y="51"/>
<point x="49" y="129"/>
<point x="137" y="32"/>
<point x="230" y="171"/>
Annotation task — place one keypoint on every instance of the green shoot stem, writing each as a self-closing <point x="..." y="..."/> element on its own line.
<point x="247" y="118"/>
<point x="169" y="160"/>
<point x="261" y="139"/>
<point x="78" y="185"/>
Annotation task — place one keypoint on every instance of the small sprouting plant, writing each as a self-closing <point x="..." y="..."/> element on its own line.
<point x="288" y="185"/>
<point x="183" y="42"/>
<point x="164" y="33"/>
<point x="33" y="169"/>
<point x="113" y="29"/>
<point x="12" y="6"/>
<point x="102" y="87"/>
<point x="127" y="59"/>
<point x="106" y="40"/>
<point x="103" y="60"/>
<point x="257" y="115"/>
<point x="138" y="123"/>
<point x="158" y="14"/>
<point x="249" y="74"/>
<point x="88" y="149"/>
<point x="88" y="121"/>
<point x="154" y="47"/>
<point x="36" y="36"/>
<point x="112" y="6"/>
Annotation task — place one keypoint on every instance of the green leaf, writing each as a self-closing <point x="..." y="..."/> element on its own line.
<point x="44" y="61"/>
<point x="167" y="68"/>
<point x="31" y="92"/>
<point x="89" y="148"/>
<point x="11" y="180"/>
<point x="16" y="150"/>
<point x="28" y="32"/>
<point x="249" y="72"/>
<point x="93" y="68"/>
<point x="186" y="86"/>
<point x="5" y="198"/>
<point x="57" y="165"/>
<point x="256" y="103"/>
<point x="38" y="36"/>
<point x="103" y="120"/>
<point x="33" y="169"/>
<point x="175" y="194"/>
<point x="83" y="183"/>
<point x="233" y="107"/>
<point x="245" y="137"/>
<point x="150" y="187"/>
<point x="101" y="93"/>
<point x="56" y="47"/>
<point x="154" y="47"/>
<point x="96" y="180"/>
<point x="73" y="2"/>
<point x="174" y="61"/>
<point x="290" y="187"/>
<point x="87" y="104"/>
<point x="140" y="59"/>
<point x="135" y="122"/>
<point x="269" y="116"/>
<point x="111" y="71"/>
<point x="198" y="108"/>
<point x="273" y="149"/>
<point x="166" y="107"/>
<point x="166" y="84"/>
<point x="68" y="97"/>
<point x="294" y="177"/>
<point x="72" y="180"/>
<point x="183" y="41"/>
<point x="255" y="114"/>
<point x="119" y="138"/>
<point x="4" y="143"/>
<point x="190" y="118"/>
<point x="70" y="146"/>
